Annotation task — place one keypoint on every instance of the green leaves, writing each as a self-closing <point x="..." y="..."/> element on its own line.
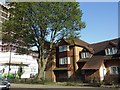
<point x="34" y="23"/>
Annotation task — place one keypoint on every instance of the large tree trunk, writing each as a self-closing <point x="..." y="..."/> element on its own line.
<point x="40" y="72"/>
<point x="41" y="69"/>
<point x="42" y="61"/>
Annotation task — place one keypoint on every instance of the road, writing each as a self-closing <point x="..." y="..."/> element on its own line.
<point x="54" y="87"/>
<point x="64" y="89"/>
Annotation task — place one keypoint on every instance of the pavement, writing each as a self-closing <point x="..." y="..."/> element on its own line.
<point x="42" y="86"/>
<point x="39" y="86"/>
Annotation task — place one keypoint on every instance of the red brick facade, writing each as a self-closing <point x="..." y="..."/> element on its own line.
<point x="93" y="68"/>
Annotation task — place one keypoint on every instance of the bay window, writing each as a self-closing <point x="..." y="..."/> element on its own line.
<point x="65" y="60"/>
<point x="86" y="55"/>
<point x="111" y="51"/>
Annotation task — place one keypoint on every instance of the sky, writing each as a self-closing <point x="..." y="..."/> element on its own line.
<point x="101" y="20"/>
<point x="2" y="0"/>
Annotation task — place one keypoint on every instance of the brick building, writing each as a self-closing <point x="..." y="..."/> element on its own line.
<point x="79" y="60"/>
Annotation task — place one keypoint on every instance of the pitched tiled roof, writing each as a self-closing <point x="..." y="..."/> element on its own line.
<point x="93" y="63"/>
<point x="91" y="50"/>
<point x="76" y="42"/>
<point x="100" y="47"/>
<point x="99" y="53"/>
<point x="96" y="48"/>
<point x="83" y="60"/>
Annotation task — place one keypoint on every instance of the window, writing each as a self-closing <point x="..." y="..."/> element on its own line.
<point x="111" y="51"/>
<point x="114" y="70"/>
<point x="63" y="48"/>
<point x="65" y="60"/>
<point x="85" y="55"/>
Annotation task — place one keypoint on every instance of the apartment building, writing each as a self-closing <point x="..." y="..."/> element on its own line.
<point x="77" y="60"/>
<point x="3" y="16"/>
<point x="9" y="59"/>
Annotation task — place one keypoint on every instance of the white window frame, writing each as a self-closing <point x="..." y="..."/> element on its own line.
<point x="114" y="70"/>
<point x="114" y="50"/>
<point x="65" y="60"/>
<point x="85" y="55"/>
<point x="111" y="51"/>
<point x="64" y="48"/>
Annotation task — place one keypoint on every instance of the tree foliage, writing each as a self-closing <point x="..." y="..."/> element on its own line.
<point x="42" y="24"/>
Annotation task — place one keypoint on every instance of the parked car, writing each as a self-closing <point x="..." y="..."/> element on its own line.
<point x="4" y="85"/>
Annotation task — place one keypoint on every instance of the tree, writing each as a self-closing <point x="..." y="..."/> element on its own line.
<point x="42" y="24"/>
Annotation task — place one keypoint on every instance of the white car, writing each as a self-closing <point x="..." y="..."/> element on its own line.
<point x="4" y="85"/>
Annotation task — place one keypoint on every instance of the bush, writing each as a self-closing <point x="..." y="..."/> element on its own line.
<point x="31" y="81"/>
<point x="69" y="84"/>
